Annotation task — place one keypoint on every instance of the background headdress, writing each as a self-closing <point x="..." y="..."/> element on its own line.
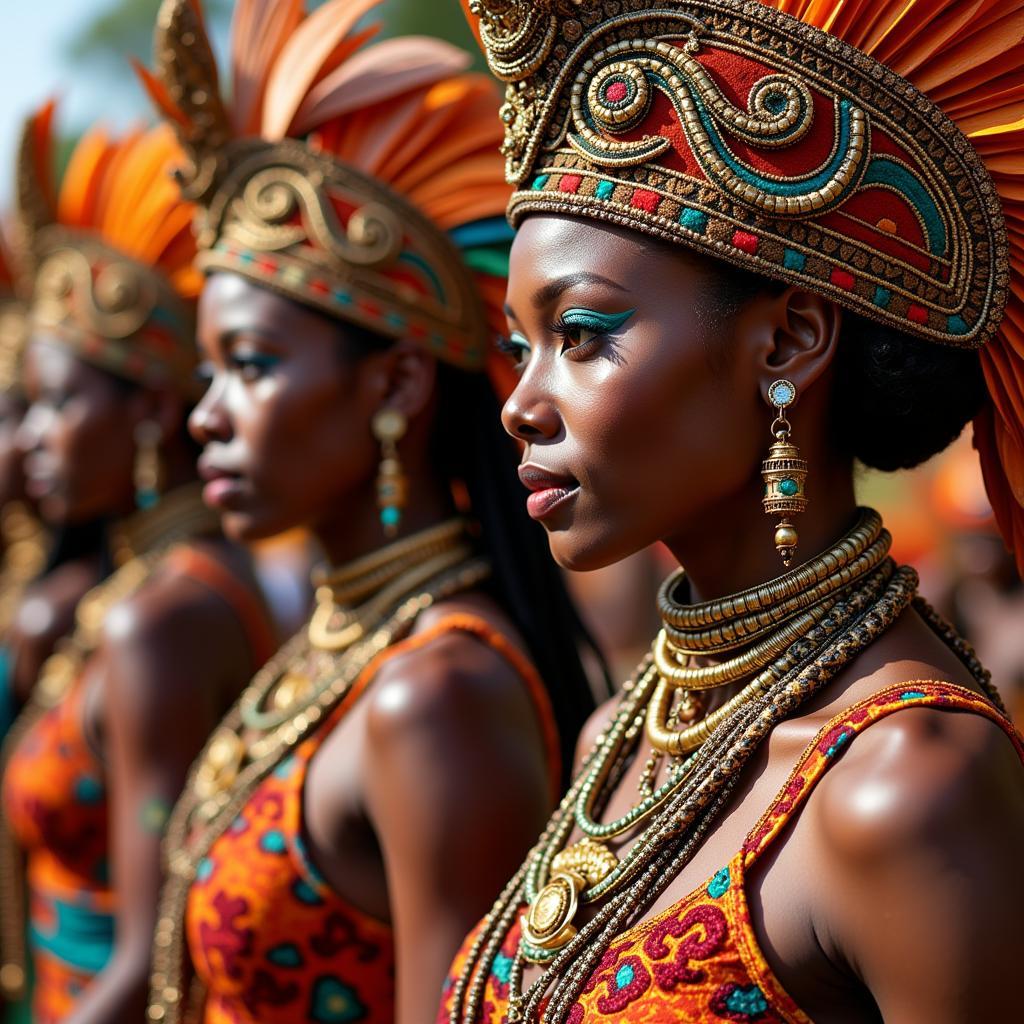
<point x="363" y="180"/>
<point x="13" y="317"/>
<point x="109" y="251"/>
<point x="870" y="150"/>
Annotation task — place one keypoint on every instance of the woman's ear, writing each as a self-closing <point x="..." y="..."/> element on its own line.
<point x="411" y="376"/>
<point x="797" y="337"/>
<point x="160" y="406"/>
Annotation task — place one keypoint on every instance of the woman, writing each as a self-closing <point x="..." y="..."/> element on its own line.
<point x="389" y="766"/>
<point x="160" y="648"/>
<point x="749" y="253"/>
<point x="22" y="548"/>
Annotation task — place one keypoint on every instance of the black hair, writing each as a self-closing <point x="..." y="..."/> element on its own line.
<point x="898" y="399"/>
<point x="469" y="448"/>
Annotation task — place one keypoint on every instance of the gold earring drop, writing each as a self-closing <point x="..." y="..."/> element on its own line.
<point x="148" y="473"/>
<point x="389" y="427"/>
<point x="784" y="472"/>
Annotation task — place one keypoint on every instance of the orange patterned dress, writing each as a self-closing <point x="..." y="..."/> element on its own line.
<point x="270" y="941"/>
<point x="700" y="960"/>
<point x="55" y="799"/>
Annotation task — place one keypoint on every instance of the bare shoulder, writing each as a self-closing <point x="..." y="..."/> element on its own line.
<point x="454" y="680"/>
<point x="920" y="780"/>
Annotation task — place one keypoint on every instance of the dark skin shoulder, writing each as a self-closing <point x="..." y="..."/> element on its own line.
<point x="46" y="613"/>
<point x="168" y="667"/>
<point x="390" y="836"/>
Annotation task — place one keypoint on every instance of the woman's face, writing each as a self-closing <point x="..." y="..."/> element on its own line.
<point x="636" y="412"/>
<point x="12" y="477"/>
<point x="77" y="437"/>
<point x="284" y="424"/>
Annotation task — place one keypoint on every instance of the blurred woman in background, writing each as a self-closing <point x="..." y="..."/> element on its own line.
<point x="349" y="817"/>
<point x="163" y="645"/>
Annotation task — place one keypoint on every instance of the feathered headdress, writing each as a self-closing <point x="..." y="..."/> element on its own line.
<point x="870" y="150"/>
<point x="110" y="251"/>
<point x="360" y="179"/>
<point x="13" y="317"/>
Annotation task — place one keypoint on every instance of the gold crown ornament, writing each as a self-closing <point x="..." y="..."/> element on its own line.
<point x="109" y="253"/>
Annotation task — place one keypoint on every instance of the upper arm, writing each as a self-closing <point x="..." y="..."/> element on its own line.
<point x="157" y="709"/>
<point x="921" y="835"/>
<point x="457" y="792"/>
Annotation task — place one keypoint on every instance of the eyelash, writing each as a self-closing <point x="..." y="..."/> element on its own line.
<point x="254" y="366"/>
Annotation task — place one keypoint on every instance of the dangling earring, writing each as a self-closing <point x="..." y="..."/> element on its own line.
<point x="148" y="473"/>
<point x="389" y="426"/>
<point x="784" y="472"/>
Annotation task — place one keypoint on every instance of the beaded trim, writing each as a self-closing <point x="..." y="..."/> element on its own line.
<point x="741" y="132"/>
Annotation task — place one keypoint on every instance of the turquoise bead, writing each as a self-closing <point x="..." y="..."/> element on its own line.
<point x="390" y="516"/>
<point x="789" y="487"/>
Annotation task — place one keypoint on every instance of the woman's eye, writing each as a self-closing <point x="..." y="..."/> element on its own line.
<point x="253" y="365"/>
<point x="516" y="347"/>
<point x="580" y="327"/>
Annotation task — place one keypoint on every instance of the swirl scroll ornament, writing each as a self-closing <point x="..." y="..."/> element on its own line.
<point x="279" y="207"/>
<point x="613" y="93"/>
<point x="115" y="300"/>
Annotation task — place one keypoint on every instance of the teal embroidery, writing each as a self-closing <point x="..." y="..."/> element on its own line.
<point x="605" y="189"/>
<point x="750" y="1001"/>
<point x="273" y="842"/>
<point x="912" y="695"/>
<point x="884" y="170"/>
<point x="957" y="325"/>
<point x="333" y="1002"/>
<point x="88" y="790"/>
<point x="540" y="181"/>
<point x="719" y="885"/>
<point x="305" y="893"/>
<point x="793" y="260"/>
<point x="285" y="955"/>
<point x="502" y="968"/>
<point x="694" y="220"/>
<point x="204" y="870"/>
<point x="624" y="976"/>
<point x="881" y="297"/>
<point x="840" y="741"/>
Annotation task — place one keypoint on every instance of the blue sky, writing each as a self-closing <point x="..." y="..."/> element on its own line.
<point x="33" y="35"/>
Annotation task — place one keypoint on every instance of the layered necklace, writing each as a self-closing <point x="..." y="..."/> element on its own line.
<point x="24" y="543"/>
<point x="361" y="610"/>
<point x="783" y="640"/>
<point x="138" y="546"/>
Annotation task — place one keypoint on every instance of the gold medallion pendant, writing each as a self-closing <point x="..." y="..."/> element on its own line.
<point x="548" y="924"/>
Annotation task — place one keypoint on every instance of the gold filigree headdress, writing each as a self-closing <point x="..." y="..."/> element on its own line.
<point x="357" y="179"/>
<point x="109" y="253"/>
<point x="870" y="150"/>
<point x="13" y="318"/>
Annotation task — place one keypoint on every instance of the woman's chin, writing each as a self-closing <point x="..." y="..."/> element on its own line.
<point x="575" y="551"/>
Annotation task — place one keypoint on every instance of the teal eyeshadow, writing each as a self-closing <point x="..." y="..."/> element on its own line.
<point x="519" y="340"/>
<point x="258" y="359"/>
<point x="592" y="320"/>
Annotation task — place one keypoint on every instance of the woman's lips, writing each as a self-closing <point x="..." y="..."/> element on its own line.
<point x="223" y="490"/>
<point x="550" y="490"/>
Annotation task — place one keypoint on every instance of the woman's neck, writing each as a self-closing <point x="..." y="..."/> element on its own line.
<point x="355" y="528"/>
<point x="731" y="547"/>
